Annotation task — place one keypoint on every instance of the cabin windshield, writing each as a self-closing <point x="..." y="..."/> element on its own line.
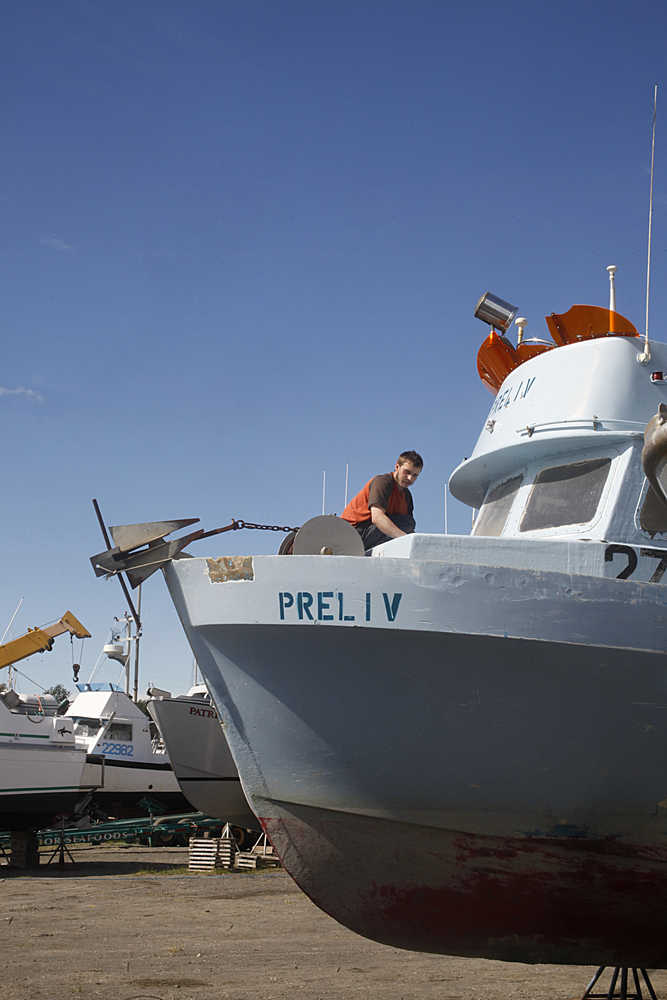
<point x="120" y="731"/>
<point x="497" y="502"/>
<point x="565" y="494"/>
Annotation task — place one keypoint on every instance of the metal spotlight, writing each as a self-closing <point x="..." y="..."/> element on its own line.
<point x="496" y="312"/>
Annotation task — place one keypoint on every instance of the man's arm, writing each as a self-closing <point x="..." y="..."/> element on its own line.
<point x="384" y="523"/>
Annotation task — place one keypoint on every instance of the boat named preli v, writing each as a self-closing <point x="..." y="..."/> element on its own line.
<point x="457" y="744"/>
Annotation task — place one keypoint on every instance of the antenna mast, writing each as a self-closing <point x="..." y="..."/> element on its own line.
<point x="645" y="356"/>
<point x="612" y="288"/>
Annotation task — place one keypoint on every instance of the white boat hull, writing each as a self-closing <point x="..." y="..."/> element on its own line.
<point x="126" y="785"/>
<point x="38" y="783"/>
<point x="108" y="724"/>
<point x="494" y="789"/>
<point x="201" y="759"/>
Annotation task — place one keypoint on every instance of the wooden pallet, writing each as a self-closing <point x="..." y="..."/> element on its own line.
<point x="246" y="861"/>
<point x="228" y="851"/>
<point x="207" y="854"/>
<point x="251" y="860"/>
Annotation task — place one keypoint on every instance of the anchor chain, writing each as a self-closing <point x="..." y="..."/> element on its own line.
<point x="262" y="527"/>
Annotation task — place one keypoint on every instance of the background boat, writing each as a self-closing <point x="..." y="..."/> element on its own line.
<point x="190" y="727"/>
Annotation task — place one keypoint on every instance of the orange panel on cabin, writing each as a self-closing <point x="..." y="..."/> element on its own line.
<point x="496" y="358"/>
<point x="528" y="349"/>
<point x="586" y="323"/>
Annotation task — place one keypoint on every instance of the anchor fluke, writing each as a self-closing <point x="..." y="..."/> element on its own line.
<point x="131" y="536"/>
<point x="141" y="549"/>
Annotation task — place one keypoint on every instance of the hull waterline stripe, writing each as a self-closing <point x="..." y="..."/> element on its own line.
<point x="48" y="788"/>
<point x="136" y="765"/>
<point x="183" y="778"/>
<point x="27" y="736"/>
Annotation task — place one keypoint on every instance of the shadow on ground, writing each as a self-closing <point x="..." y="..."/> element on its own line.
<point x="104" y="860"/>
<point x="88" y="868"/>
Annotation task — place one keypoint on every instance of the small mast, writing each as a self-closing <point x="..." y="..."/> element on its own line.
<point x="521" y="322"/>
<point x="611" y="268"/>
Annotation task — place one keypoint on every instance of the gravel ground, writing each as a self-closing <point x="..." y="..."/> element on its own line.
<point x="133" y="924"/>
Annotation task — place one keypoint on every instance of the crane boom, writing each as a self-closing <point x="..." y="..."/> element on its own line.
<point x="40" y="640"/>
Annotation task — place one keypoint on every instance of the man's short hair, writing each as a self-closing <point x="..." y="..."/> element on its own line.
<point x="411" y="456"/>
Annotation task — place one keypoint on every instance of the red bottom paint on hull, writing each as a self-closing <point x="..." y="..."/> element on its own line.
<point x="560" y="901"/>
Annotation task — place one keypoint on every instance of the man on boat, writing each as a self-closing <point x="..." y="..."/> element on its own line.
<point x="383" y="509"/>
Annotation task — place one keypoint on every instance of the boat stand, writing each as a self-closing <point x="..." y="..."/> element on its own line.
<point x="620" y="991"/>
<point x="61" y="848"/>
<point x="262" y="846"/>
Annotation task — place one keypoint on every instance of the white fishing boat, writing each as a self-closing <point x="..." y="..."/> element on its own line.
<point x="108" y="724"/>
<point x="44" y="772"/>
<point x="457" y="744"/>
<point x="205" y="770"/>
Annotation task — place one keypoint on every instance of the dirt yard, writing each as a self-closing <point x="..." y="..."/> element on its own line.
<point x="133" y="924"/>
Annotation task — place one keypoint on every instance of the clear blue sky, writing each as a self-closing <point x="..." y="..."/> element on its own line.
<point x="241" y="245"/>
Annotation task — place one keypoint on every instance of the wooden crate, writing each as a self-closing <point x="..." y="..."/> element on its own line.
<point x="227" y="852"/>
<point x="246" y="861"/>
<point x="204" y="854"/>
<point x="250" y="860"/>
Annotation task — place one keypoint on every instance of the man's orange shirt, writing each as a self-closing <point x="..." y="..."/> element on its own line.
<point x="380" y="491"/>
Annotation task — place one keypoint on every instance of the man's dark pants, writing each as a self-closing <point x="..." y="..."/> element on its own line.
<point x="372" y="536"/>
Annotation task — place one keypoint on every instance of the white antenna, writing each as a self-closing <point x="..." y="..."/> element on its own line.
<point x="324" y="491"/>
<point x="445" y="494"/>
<point x="645" y="356"/>
<point x="521" y="323"/>
<point x="10" y="673"/>
<point x="347" y="480"/>
<point x="95" y="666"/>
<point x="612" y="288"/>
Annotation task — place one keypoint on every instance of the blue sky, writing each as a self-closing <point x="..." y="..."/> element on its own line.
<point x="241" y="245"/>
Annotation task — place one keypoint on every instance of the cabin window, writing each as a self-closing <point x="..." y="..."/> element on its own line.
<point x="566" y="494"/>
<point x="497" y="502"/>
<point x="120" y="731"/>
<point x="86" y="727"/>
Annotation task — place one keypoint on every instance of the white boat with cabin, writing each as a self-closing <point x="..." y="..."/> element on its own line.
<point x="107" y="723"/>
<point x="457" y="744"/>
<point x="44" y="770"/>
<point x="205" y="770"/>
